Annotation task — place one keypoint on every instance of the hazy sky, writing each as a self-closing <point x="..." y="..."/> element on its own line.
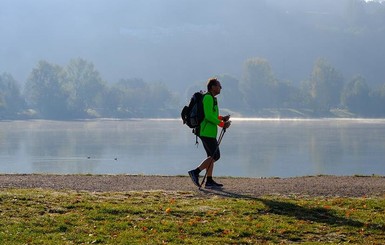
<point x="154" y="40"/>
<point x="172" y="41"/>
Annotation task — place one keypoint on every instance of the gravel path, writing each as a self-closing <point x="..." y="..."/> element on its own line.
<point x="344" y="186"/>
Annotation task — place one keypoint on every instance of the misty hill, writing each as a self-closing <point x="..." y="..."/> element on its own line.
<point x="180" y="42"/>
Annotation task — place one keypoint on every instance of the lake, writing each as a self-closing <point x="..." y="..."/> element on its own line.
<point x="250" y="147"/>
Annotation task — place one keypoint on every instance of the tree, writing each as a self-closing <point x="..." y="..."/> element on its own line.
<point x="45" y="90"/>
<point x="287" y="95"/>
<point x="128" y="97"/>
<point x="11" y="101"/>
<point x="355" y="96"/>
<point x="231" y="97"/>
<point x="326" y="84"/>
<point x="136" y="98"/>
<point x="160" y="101"/>
<point x="377" y="98"/>
<point x="258" y="84"/>
<point x="87" y="90"/>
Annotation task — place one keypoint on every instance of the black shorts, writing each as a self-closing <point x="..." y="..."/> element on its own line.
<point x="211" y="145"/>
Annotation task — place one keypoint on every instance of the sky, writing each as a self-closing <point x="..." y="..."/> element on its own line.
<point x="176" y="42"/>
<point x="122" y="38"/>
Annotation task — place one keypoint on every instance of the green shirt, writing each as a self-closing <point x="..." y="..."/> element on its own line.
<point x="209" y="125"/>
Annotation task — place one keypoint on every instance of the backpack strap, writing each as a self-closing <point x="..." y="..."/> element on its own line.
<point x="194" y="131"/>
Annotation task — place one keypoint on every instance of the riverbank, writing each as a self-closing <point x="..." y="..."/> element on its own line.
<point x="132" y="209"/>
<point x="334" y="186"/>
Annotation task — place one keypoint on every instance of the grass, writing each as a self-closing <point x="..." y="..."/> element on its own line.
<point x="35" y="216"/>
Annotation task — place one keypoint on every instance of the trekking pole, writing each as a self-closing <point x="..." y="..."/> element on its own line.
<point x="212" y="159"/>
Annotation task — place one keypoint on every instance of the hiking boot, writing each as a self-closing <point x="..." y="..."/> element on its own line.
<point x="212" y="185"/>
<point x="194" y="177"/>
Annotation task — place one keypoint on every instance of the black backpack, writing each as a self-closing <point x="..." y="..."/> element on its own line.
<point x="193" y="114"/>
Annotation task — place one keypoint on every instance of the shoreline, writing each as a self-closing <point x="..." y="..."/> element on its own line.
<point x="324" y="185"/>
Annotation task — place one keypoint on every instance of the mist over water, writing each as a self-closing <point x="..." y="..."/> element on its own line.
<point x="250" y="148"/>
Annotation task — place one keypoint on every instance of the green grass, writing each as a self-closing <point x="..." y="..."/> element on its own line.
<point x="37" y="216"/>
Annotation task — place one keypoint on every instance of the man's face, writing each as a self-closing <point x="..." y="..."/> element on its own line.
<point x="217" y="88"/>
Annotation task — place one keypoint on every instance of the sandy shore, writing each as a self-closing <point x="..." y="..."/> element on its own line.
<point x="344" y="186"/>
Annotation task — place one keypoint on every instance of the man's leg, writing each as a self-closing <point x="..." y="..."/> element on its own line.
<point x="207" y="164"/>
<point x="211" y="147"/>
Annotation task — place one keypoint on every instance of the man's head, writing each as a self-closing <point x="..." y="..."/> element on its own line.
<point x="214" y="86"/>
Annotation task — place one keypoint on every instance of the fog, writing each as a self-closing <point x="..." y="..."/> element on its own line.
<point x="180" y="42"/>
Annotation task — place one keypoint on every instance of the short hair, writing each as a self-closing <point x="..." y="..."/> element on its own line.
<point x="211" y="82"/>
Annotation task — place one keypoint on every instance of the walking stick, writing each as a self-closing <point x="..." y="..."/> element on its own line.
<point x="212" y="159"/>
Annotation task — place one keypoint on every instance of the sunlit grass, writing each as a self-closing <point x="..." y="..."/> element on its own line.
<point x="67" y="217"/>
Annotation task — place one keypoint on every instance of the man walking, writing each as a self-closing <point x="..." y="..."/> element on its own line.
<point x="208" y="134"/>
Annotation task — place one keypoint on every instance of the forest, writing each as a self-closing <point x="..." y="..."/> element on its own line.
<point x="131" y="59"/>
<point x="77" y="91"/>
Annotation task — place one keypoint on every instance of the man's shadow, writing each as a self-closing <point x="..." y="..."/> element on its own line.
<point x="318" y="214"/>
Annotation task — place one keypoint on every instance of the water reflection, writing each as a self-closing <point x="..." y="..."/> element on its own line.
<point x="251" y="148"/>
<point x="309" y="147"/>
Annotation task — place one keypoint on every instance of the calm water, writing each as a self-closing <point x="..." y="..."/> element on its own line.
<point x="250" y="148"/>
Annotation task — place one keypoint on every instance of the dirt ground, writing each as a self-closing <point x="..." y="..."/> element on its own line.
<point x="343" y="186"/>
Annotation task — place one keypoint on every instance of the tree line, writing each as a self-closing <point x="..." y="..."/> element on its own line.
<point x="325" y="93"/>
<point x="77" y="91"/>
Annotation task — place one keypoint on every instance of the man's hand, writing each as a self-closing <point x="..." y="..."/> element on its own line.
<point x="226" y="118"/>
<point x="227" y="124"/>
